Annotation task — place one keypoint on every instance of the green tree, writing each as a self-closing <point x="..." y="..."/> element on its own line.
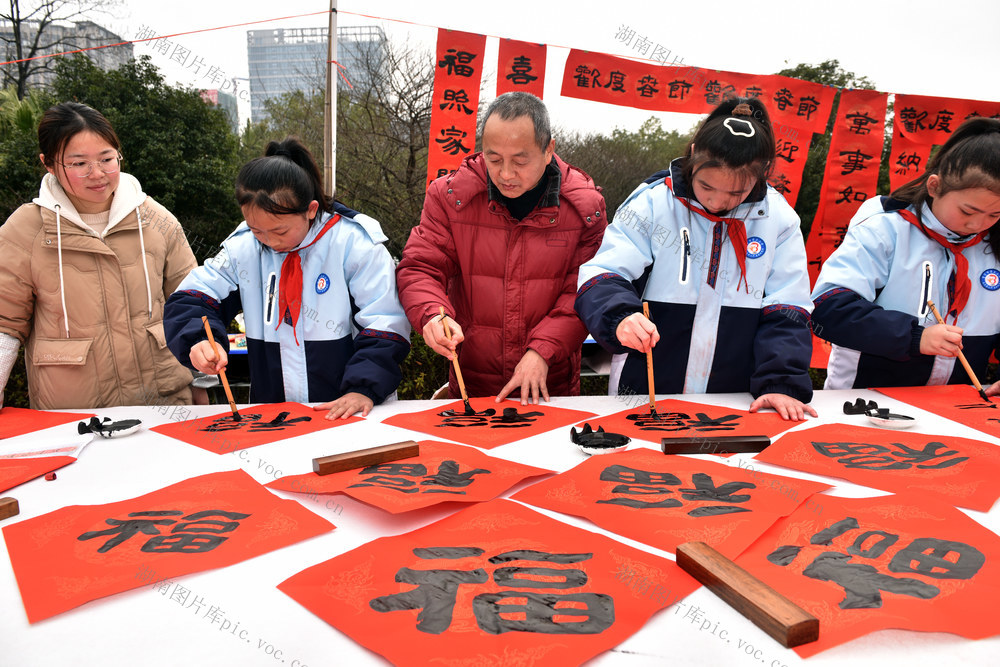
<point x="19" y="161"/>
<point x="828" y="72"/>
<point x="620" y="161"/>
<point x="182" y="150"/>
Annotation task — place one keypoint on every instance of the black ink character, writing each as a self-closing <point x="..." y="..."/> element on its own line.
<point x="278" y="423"/>
<point x="185" y="537"/>
<point x="457" y="62"/>
<point x="512" y="419"/>
<point x="863" y="584"/>
<point x="508" y="611"/>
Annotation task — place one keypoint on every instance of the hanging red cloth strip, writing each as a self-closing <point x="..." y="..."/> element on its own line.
<point x="921" y="122"/>
<point x="851" y="174"/>
<point x="797" y="108"/>
<point x="458" y="70"/>
<point x="520" y="66"/>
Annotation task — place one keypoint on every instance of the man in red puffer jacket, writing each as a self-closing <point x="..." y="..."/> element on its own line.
<point x="499" y="245"/>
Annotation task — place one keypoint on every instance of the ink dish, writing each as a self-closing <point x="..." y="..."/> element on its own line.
<point x="593" y="442"/>
<point x="108" y="428"/>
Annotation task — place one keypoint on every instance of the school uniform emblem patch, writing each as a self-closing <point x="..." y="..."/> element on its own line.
<point x="755" y="247"/>
<point x="990" y="279"/>
<point x="322" y="283"/>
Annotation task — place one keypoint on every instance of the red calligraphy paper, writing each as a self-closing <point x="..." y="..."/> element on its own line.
<point x="959" y="403"/>
<point x="520" y="66"/>
<point x="920" y="122"/>
<point x="664" y="501"/>
<point x="18" y="421"/>
<point x="258" y="425"/>
<point x="642" y="85"/>
<point x="442" y="472"/>
<point x="458" y="70"/>
<point x="866" y="564"/>
<point x="480" y="587"/>
<point x="19" y="471"/>
<point x="957" y="471"/>
<point x="24" y="459"/>
<point x="682" y="418"/>
<point x="851" y="173"/>
<point x="492" y="425"/>
<point x="66" y="558"/>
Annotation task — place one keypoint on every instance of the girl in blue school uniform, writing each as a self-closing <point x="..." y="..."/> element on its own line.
<point x="934" y="238"/>
<point x="719" y="256"/>
<point x="316" y="286"/>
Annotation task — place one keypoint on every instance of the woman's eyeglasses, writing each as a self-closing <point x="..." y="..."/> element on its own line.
<point x="83" y="168"/>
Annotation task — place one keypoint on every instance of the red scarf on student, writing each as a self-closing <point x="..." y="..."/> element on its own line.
<point x="737" y="233"/>
<point x="963" y="286"/>
<point x="735" y="230"/>
<point x="290" y="286"/>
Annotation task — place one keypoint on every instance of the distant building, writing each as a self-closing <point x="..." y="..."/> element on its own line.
<point x="227" y="102"/>
<point x="63" y="37"/>
<point x="285" y="60"/>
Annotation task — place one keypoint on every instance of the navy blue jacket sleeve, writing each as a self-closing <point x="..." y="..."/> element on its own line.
<point x="209" y="290"/>
<point x="602" y="303"/>
<point x="782" y="352"/>
<point x="844" y="318"/>
<point x="374" y="367"/>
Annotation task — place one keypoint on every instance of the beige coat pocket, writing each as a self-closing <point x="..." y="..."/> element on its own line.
<point x="59" y="375"/>
<point x="171" y="376"/>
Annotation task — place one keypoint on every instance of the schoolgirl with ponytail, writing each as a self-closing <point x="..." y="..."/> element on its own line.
<point x="316" y="286"/>
<point x="935" y="238"/>
<point x="719" y="257"/>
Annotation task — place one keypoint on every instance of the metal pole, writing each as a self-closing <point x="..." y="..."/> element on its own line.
<point x="330" y="107"/>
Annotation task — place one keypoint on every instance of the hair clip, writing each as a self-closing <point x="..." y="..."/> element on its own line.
<point x="739" y="133"/>
<point x="742" y="109"/>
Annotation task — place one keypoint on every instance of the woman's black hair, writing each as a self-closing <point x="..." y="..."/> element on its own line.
<point x="285" y="180"/>
<point x="737" y="135"/>
<point x="63" y="121"/>
<point x="970" y="158"/>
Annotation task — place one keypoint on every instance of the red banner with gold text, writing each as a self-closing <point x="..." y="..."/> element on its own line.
<point x="520" y="66"/>
<point x="458" y="70"/>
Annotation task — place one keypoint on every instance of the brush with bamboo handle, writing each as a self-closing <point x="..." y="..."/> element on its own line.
<point x="222" y="373"/>
<point x="961" y="357"/>
<point x="458" y="371"/>
<point x="649" y="370"/>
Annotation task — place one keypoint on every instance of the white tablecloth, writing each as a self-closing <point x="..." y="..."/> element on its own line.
<point x="144" y="627"/>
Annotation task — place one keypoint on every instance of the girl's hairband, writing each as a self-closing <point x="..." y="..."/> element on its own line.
<point x="749" y="132"/>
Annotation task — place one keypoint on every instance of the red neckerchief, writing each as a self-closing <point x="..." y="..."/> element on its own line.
<point x="290" y="286"/>
<point x="963" y="286"/>
<point x="734" y="228"/>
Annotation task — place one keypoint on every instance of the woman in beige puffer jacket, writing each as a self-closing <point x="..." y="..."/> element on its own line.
<point x="86" y="267"/>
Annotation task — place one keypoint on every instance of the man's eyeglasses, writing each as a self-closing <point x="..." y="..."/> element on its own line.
<point x="83" y="168"/>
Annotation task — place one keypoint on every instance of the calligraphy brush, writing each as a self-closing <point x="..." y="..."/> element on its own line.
<point x="649" y="371"/>
<point x="961" y="357"/>
<point x="458" y="371"/>
<point x="222" y="373"/>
